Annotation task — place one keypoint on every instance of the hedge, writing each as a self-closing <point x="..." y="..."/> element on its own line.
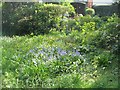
<point x="34" y="18"/>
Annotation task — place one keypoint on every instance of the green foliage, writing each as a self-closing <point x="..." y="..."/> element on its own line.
<point x="12" y="12"/>
<point x="109" y="34"/>
<point x="49" y="16"/>
<point x="65" y="81"/>
<point x="32" y="18"/>
<point x="90" y="11"/>
<point x="97" y="33"/>
<point x="73" y="57"/>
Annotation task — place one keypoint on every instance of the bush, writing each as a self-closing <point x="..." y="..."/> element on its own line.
<point x="34" y="18"/>
<point x="12" y="12"/>
<point x="97" y="34"/>
<point x="90" y="11"/>
<point x="108" y="36"/>
<point x="49" y="16"/>
<point x="57" y="60"/>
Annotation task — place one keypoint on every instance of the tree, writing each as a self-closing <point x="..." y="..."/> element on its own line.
<point x="117" y="2"/>
<point x="8" y="16"/>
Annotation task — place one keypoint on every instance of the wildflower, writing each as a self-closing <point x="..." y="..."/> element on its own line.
<point x="59" y="51"/>
<point x="63" y="52"/>
<point x="77" y="53"/>
<point x="53" y="49"/>
<point x="31" y="51"/>
<point x="41" y="52"/>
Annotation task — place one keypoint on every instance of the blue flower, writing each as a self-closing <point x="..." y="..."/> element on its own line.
<point x="41" y="52"/>
<point x="35" y="48"/>
<point x="52" y="49"/>
<point x="77" y="53"/>
<point x="59" y="49"/>
<point x="51" y="57"/>
<point x="63" y="52"/>
<point x="59" y="52"/>
<point x="31" y="51"/>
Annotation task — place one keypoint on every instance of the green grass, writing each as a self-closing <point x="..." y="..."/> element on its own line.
<point x="22" y="68"/>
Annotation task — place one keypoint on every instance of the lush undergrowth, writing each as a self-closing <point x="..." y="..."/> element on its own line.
<point x="58" y="49"/>
<point x="56" y="60"/>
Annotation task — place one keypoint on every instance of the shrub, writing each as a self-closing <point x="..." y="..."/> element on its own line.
<point x="108" y="36"/>
<point x="12" y="12"/>
<point x="49" y="15"/>
<point x="97" y="34"/>
<point x="35" y="18"/>
<point x="90" y="11"/>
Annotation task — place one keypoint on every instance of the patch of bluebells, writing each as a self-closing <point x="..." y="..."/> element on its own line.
<point x="53" y="53"/>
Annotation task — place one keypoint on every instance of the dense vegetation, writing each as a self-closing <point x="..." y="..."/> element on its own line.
<point x="25" y="18"/>
<point x="62" y="51"/>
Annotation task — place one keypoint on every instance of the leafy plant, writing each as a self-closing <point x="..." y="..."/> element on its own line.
<point x="90" y="11"/>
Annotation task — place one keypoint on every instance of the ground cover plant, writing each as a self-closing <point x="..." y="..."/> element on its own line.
<point x="79" y="52"/>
